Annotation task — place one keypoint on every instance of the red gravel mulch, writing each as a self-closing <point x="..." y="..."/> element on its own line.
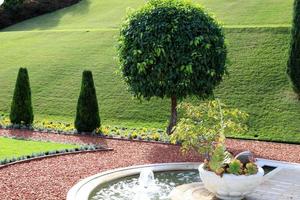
<point x="51" y="178"/>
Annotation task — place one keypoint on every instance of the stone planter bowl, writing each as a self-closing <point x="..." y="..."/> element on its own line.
<point x="230" y="186"/>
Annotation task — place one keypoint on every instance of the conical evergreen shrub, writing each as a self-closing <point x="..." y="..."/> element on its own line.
<point x="21" y="106"/>
<point x="293" y="69"/>
<point x="87" y="116"/>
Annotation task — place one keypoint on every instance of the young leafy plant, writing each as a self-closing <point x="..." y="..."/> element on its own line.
<point x="220" y="157"/>
<point x="205" y="125"/>
<point x="203" y="129"/>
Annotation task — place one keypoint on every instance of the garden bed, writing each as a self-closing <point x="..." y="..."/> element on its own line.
<point x="57" y="175"/>
<point x="262" y="149"/>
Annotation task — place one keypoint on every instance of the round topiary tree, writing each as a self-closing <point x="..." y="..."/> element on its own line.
<point x="171" y="48"/>
<point x="293" y="69"/>
<point x="87" y="115"/>
<point x="21" y="106"/>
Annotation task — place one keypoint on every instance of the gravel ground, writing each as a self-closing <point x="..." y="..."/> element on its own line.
<point x="51" y="178"/>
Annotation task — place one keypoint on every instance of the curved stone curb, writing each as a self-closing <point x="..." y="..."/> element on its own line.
<point x="51" y="156"/>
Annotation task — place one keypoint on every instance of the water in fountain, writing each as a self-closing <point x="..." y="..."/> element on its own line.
<point x="145" y="186"/>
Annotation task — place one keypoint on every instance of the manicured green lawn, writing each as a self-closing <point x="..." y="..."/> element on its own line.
<point x="251" y="12"/>
<point x="55" y="72"/>
<point x="95" y="14"/>
<point x="57" y="47"/>
<point x="258" y="83"/>
<point x="14" y="147"/>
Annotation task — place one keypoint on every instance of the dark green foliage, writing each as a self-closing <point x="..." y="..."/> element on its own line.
<point x="14" y="11"/>
<point x="12" y="5"/>
<point x="87" y="116"/>
<point x="21" y="107"/>
<point x="294" y="59"/>
<point x="171" y="48"/>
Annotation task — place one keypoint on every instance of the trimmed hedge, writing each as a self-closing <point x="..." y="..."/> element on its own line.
<point x="87" y="115"/>
<point x="21" y="106"/>
<point x="293" y="69"/>
<point x="25" y="10"/>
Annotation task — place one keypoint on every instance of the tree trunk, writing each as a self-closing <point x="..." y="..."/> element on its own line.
<point x="173" y="118"/>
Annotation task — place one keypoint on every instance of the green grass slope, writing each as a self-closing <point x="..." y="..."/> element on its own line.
<point x="14" y="148"/>
<point x="56" y="48"/>
<point x="55" y="61"/>
<point x="99" y="14"/>
<point x="258" y="84"/>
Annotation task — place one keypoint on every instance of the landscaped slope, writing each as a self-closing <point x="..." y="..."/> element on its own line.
<point x="96" y="14"/>
<point x="258" y="84"/>
<point x="57" y="47"/>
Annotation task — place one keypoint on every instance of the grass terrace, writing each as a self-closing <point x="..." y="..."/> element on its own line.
<point x="10" y="148"/>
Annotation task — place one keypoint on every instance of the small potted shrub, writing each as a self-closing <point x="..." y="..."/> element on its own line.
<point x="203" y="128"/>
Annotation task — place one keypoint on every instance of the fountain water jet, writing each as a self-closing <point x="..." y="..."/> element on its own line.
<point x="146" y="188"/>
<point x="146" y="178"/>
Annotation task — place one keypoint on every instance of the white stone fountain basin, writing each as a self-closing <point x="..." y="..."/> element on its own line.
<point x="230" y="186"/>
<point x="83" y="189"/>
<point x="281" y="183"/>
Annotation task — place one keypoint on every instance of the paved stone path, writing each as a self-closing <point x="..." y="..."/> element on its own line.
<point x="283" y="184"/>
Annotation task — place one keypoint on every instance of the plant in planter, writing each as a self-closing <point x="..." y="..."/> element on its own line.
<point x="203" y="128"/>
